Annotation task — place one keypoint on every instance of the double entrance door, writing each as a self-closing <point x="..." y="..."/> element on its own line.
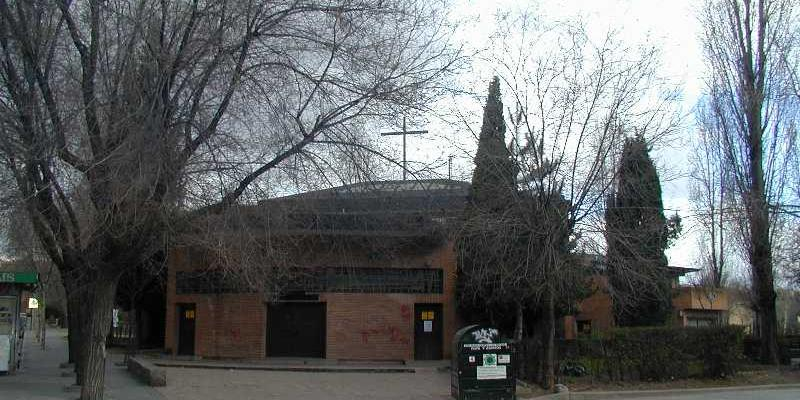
<point x="296" y="329"/>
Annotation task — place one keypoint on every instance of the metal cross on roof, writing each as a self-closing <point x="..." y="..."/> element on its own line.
<point x="404" y="132"/>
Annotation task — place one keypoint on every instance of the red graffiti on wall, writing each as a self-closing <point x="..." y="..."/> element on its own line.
<point x="393" y="333"/>
<point x="405" y="312"/>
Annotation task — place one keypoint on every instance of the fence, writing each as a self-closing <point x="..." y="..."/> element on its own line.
<point x="121" y="333"/>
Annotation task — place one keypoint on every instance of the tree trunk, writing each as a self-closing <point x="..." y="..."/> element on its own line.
<point x="518" y="323"/>
<point x="767" y="321"/>
<point x="760" y="244"/>
<point x="518" y="335"/>
<point x="98" y="301"/>
<point x="763" y="281"/>
<point x="550" y="352"/>
<point x="133" y="336"/>
<point x="43" y="321"/>
<point x="74" y="332"/>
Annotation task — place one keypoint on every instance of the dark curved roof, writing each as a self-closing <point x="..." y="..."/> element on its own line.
<point x="382" y="208"/>
<point x="382" y="196"/>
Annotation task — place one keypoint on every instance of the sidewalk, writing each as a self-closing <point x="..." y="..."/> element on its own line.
<point x="40" y="376"/>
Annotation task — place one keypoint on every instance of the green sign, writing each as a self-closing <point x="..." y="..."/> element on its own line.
<point x="19" y="277"/>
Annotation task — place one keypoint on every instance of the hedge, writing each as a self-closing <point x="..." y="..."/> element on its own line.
<point x="658" y="353"/>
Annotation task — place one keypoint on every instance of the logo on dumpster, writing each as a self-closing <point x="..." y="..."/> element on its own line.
<point x="485" y="335"/>
<point x="489" y="360"/>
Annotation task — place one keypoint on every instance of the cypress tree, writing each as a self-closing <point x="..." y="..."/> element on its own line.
<point x="493" y="180"/>
<point x="491" y="199"/>
<point x="637" y="234"/>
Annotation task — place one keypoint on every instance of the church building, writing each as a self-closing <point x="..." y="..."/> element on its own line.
<point x="358" y="272"/>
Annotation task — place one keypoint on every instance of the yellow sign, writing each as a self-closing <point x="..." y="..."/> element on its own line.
<point x="189" y="314"/>
<point x="427" y="315"/>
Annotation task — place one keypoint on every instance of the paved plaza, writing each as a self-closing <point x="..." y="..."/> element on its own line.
<point x="214" y="384"/>
<point x="40" y="379"/>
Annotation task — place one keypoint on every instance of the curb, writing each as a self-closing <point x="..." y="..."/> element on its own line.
<point x="553" y="396"/>
<point x="288" y="368"/>
<point x="664" y="392"/>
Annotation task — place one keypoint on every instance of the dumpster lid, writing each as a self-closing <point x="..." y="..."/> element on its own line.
<point x="474" y="336"/>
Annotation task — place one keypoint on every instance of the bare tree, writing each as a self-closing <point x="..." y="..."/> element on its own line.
<point x="569" y="101"/>
<point x="711" y="202"/>
<point x="117" y="113"/>
<point x="751" y="109"/>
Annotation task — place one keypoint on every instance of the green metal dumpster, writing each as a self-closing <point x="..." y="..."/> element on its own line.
<point x="482" y="365"/>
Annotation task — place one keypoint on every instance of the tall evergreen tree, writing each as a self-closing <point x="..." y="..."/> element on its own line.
<point x="637" y="233"/>
<point x="490" y="202"/>
<point x="493" y="180"/>
<point x="516" y="270"/>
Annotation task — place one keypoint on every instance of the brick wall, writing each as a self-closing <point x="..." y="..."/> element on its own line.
<point x="596" y="308"/>
<point x="368" y="326"/>
<point x="226" y="325"/>
<point x="359" y="326"/>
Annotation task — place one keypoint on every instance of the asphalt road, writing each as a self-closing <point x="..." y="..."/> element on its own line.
<point x="770" y="394"/>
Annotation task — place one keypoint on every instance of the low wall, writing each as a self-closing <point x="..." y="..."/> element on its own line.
<point x="147" y="372"/>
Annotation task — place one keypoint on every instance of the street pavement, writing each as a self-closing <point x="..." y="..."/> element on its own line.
<point x="40" y="376"/>
<point x="760" y="394"/>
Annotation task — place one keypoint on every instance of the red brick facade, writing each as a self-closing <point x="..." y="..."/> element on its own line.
<point x="595" y="310"/>
<point x="359" y="326"/>
<point x="691" y="307"/>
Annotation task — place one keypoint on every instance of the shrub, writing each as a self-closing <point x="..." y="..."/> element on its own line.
<point x="663" y="353"/>
<point x="718" y="348"/>
<point x="648" y="353"/>
<point x="752" y="349"/>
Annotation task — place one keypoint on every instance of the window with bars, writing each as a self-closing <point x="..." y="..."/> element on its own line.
<point x="206" y="282"/>
<point x="369" y="280"/>
<point x="324" y="279"/>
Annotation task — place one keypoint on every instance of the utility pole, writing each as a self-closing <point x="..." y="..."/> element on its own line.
<point x="404" y="132"/>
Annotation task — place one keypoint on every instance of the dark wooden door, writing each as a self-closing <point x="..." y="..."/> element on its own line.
<point x="296" y="329"/>
<point x="428" y="320"/>
<point x="187" y="315"/>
